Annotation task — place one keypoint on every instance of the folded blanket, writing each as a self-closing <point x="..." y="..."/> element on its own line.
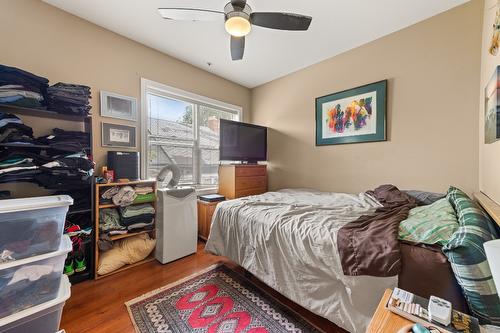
<point x="131" y="211"/>
<point x="141" y="225"/>
<point x="142" y="198"/>
<point x="143" y="218"/>
<point x="125" y="196"/>
<point x="109" y="220"/>
<point x="143" y="189"/>
<point x="369" y="245"/>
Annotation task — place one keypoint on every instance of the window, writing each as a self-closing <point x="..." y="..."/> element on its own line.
<point x="183" y="129"/>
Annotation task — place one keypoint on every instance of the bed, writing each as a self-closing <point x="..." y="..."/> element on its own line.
<point x="288" y="240"/>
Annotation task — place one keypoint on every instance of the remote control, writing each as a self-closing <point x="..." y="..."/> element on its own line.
<point x="439" y="310"/>
<point x="402" y="295"/>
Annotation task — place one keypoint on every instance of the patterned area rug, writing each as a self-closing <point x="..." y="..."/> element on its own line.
<point x="218" y="300"/>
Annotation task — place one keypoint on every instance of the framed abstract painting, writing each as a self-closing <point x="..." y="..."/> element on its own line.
<point x="352" y="116"/>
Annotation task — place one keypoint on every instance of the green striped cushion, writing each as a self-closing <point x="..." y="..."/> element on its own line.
<point x="431" y="224"/>
<point x="466" y="254"/>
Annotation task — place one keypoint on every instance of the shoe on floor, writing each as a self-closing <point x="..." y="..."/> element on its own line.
<point x="68" y="267"/>
<point x="80" y="263"/>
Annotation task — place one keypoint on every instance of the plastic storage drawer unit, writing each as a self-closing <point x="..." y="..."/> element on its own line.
<point x="43" y="318"/>
<point x="32" y="281"/>
<point x="32" y="226"/>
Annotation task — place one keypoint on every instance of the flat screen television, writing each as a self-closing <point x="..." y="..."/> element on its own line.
<point x="242" y="142"/>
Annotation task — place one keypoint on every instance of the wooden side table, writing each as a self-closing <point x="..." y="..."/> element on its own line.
<point x="205" y="212"/>
<point x="385" y="321"/>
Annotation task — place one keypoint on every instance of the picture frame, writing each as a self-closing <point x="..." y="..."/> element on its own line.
<point x="119" y="136"/>
<point x="118" y="106"/>
<point x="352" y="116"/>
<point x="492" y="108"/>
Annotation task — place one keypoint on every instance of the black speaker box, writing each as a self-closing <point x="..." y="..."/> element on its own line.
<point x="125" y="164"/>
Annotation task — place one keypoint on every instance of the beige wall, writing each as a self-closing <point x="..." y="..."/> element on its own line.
<point x="432" y="67"/>
<point x="433" y="72"/>
<point x="52" y="43"/>
<point x="489" y="154"/>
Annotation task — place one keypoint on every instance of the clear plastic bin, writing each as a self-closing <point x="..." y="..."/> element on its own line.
<point x="32" y="226"/>
<point x="32" y="281"/>
<point x="43" y="318"/>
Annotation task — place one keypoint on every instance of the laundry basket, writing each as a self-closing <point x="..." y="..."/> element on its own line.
<point x="43" y="318"/>
<point x="32" y="226"/>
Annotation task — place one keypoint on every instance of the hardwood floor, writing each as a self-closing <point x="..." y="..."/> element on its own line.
<point x="98" y="306"/>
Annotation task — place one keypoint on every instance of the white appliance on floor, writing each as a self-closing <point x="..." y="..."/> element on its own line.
<point x="177" y="224"/>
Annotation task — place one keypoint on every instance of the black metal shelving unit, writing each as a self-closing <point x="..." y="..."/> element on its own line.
<point x="86" y="121"/>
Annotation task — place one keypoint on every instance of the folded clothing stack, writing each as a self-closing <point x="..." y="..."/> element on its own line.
<point x="67" y="172"/>
<point x="21" y="88"/>
<point x="141" y="190"/>
<point x="144" y="194"/>
<point x="66" y="140"/>
<point x="132" y="218"/>
<point x="82" y="198"/>
<point x="133" y="215"/>
<point x="109" y="222"/>
<point x="17" y="95"/>
<point x="69" y="99"/>
<point x="127" y="195"/>
<point x="20" y="165"/>
<point x="12" y="130"/>
<point x="62" y="165"/>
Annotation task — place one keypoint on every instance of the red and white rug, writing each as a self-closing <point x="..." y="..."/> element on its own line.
<point x="218" y="300"/>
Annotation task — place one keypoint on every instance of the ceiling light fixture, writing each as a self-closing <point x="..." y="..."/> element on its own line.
<point x="238" y="26"/>
<point x="237" y="20"/>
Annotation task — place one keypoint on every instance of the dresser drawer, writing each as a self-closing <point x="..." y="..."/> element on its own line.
<point x="252" y="191"/>
<point x="248" y="171"/>
<point x="245" y="183"/>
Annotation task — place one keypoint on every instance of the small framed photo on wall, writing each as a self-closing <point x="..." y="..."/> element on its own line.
<point x="118" y="106"/>
<point x="114" y="135"/>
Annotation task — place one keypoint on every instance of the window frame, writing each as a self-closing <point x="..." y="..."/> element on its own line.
<point x="162" y="90"/>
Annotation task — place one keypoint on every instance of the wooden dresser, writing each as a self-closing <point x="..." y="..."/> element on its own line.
<point x="240" y="180"/>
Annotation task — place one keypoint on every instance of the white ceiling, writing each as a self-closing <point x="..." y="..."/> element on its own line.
<point x="337" y="26"/>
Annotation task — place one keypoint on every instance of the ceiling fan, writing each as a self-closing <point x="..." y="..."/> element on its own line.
<point x="239" y="19"/>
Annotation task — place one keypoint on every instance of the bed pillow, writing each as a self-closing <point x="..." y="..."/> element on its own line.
<point x="432" y="224"/>
<point x="425" y="198"/>
<point x="125" y="252"/>
<point x="465" y="252"/>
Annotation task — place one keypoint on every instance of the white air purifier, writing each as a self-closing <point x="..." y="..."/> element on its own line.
<point x="177" y="224"/>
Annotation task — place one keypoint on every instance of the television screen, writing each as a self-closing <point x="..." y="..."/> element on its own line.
<point x="242" y="142"/>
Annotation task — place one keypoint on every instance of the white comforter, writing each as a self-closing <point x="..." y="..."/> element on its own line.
<point x="287" y="239"/>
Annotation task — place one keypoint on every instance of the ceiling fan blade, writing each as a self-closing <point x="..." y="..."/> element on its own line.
<point x="281" y="21"/>
<point x="239" y="3"/>
<point x="191" y="14"/>
<point x="237" y="47"/>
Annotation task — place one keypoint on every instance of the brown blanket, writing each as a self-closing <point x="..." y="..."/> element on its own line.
<point x="425" y="271"/>
<point x="369" y="245"/>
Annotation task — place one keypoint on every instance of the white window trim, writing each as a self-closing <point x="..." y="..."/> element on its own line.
<point x="168" y="91"/>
